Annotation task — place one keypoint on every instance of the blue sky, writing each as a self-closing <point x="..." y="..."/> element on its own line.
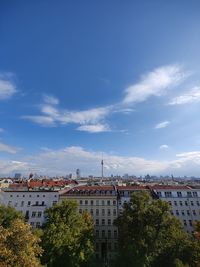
<point x="79" y="79"/>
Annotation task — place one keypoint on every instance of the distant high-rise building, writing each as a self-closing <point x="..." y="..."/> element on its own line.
<point x="18" y="176"/>
<point x="78" y="173"/>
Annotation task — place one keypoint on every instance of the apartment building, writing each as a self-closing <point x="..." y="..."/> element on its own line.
<point x="101" y="203"/>
<point x="32" y="203"/>
<point x="184" y="201"/>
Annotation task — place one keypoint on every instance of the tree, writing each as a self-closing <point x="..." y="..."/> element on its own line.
<point x="19" y="246"/>
<point x="68" y="236"/>
<point x="150" y="236"/>
<point x="8" y="215"/>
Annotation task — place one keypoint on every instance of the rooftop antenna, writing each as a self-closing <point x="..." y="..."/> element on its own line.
<point x="102" y="168"/>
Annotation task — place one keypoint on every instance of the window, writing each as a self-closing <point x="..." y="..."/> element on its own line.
<point x="38" y="196"/>
<point x="109" y="233"/>
<point x="97" y="221"/>
<point x="168" y="194"/>
<point x="170" y="203"/>
<point x="181" y="203"/>
<point x="189" y="194"/>
<point x="23" y="195"/>
<point x="114" y="202"/>
<point x="103" y="221"/>
<point x="185" y="223"/>
<point x="33" y="214"/>
<point x="97" y="233"/>
<point x="97" y="246"/>
<point x="22" y="203"/>
<point x="92" y="202"/>
<point x="186" y="203"/>
<point x="179" y="194"/>
<point x="109" y="246"/>
<point x="91" y="212"/>
<point x="80" y="210"/>
<point x="43" y="195"/>
<point x="103" y="202"/>
<point x="194" y="212"/>
<point x="115" y="246"/>
<point x="97" y="212"/>
<point x="190" y="222"/>
<point x="11" y="195"/>
<point x="32" y="223"/>
<point x="17" y="195"/>
<point x="81" y="202"/>
<point x="36" y="203"/>
<point x="39" y="214"/>
<point x="29" y="195"/>
<point x="9" y="203"/>
<point x="198" y="203"/>
<point x="188" y="212"/>
<point x="86" y="202"/>
<point x="103" y="212"/>
<point x="55" y="195"/>
<point x="159" y="194"/>
<point x="108" y="202"/>
<point x="177" y="212"/>
<point x="183" y="213"/>
<point x="97" y="202"/>
<point x="109" y="212"/>
<point x="192" y="203"/>
<point x="103" y="233"/>
<point x="114" y="212"/>
<point x="37" y="224"/>
<point x="109" y="221"/>
<point x="16" y="204"/>
<point x="115" y="233"/>
<point x="42" y="203"/>
<point x="195" y="194"/>
<point x="175" y="203"/>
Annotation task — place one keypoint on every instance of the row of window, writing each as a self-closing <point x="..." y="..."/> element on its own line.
<point x="103" y="212"/>
<point x="179" y="194"/>
<point x="186" y="203"/>
<point x="188" y="223"/>
<point x="97" y="202"/>
<point x="103" y="222"/>
<point x="31" y="196"/>
<point x="36" y="224"/>
<point x="106" y="234"/>
<point x="36" y="214"/>
<point x="22" y="204"/>
<point x="188" y="212"/>
<point x="110" y="246"/>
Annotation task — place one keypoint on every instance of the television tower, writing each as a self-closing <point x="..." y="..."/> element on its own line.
<point x="102" y="169"/>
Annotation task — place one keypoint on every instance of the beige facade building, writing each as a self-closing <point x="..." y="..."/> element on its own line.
<point x="101" y="203"/>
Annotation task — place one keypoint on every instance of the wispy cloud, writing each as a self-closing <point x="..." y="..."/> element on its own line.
<point x="164" y="147"/>
<point x="95" y="128"/>
<point x="7" y="87"/>
<point x="1" y="130"/>
<point x="154" y="83"/>
<point x="192" y="96"/>
<point x="52" y="100"/>
<point x="51" y="115"/>
<point x="162" y="124"/>
<point x="8" y="148"/>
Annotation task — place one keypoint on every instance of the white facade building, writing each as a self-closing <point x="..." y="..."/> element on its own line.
<point x="32" y="203"/>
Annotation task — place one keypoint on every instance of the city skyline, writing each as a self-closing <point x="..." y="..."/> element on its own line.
<point x="82" y="81"/>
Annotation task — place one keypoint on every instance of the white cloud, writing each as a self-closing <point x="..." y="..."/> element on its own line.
<point x="192" y="96"/>
<point x="164" y="147"/>
<point x="42" y="120"/>
<point x="7" y="89"/>
<point x="51" y="116"/>
<point x="1" y="130"/>
<point x="154" y="83"/>
<point x="49" y="99"/>
<point x="94" y="128"/>
<point x="8" y="149"/>
<point x="162" y="124"/>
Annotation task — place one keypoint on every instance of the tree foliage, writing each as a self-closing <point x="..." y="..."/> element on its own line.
<point x="8" y="215"/>
<point x="19" y="246"/>
<point x="68" y="236"/>
<point x="150" y="236"/>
